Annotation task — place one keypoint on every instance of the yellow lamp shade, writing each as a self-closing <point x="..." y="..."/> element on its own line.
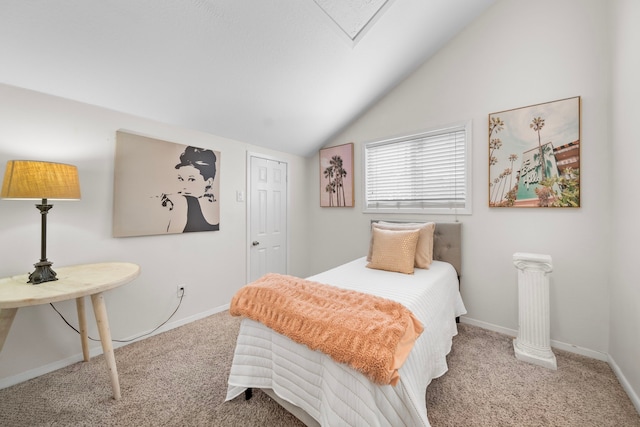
<point x="28" y="179"/>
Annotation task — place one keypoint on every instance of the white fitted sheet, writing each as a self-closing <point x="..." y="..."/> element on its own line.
<point x="334" y="394"/>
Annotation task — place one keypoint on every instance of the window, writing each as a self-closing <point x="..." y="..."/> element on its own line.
<point x="424" y="173"/>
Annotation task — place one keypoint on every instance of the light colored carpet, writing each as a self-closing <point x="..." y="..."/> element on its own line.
<point x="178" y="378"/>
<point x="487" y="386"/>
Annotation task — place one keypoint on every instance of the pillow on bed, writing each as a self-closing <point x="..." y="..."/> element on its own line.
<point x="424" y="249"/>
<point x="394" y="250"/>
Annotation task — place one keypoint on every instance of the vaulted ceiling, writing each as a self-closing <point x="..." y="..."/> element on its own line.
<point x="283" y="74"/>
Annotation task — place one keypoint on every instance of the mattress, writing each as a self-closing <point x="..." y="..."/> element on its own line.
<point x="334" y="394"/>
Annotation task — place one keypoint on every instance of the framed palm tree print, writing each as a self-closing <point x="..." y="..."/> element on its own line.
<point x="534" y="155"/>
<point x="336" y="176"/>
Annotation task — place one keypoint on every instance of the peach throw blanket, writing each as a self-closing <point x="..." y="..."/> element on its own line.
<point x="371" y="334"/>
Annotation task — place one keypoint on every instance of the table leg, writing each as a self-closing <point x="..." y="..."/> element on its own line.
<point x="6" y="319"/>
<point x="82" y="323"/>
<point x="100" y="311"/>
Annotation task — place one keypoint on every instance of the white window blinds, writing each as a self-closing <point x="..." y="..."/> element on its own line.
<point x="419" y="173"/>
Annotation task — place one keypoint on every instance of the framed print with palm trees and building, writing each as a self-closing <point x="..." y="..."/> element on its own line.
<point x="534" y="155"/>
<point x="336" y="176"/>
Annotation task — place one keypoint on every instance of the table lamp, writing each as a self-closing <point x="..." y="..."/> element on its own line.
<point x="35" y="180"/>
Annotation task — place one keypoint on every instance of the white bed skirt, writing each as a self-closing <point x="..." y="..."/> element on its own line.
<point x="333" y="394"/>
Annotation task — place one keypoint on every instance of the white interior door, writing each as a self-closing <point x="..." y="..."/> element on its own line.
<point x="268" y="217"/>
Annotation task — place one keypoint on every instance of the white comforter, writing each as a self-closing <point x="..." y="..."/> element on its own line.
<point x="336" y="395"/>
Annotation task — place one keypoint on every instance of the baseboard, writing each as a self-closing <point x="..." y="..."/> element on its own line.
<point x="488" y="326"/>
<point x="571" y="348"/>
<point x="625" y="384"/>
<point x="187" y="320"/>
<point x="95" y="351"/>
<point x="40" y="370"/>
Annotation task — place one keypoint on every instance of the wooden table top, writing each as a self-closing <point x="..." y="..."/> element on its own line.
<point x="73" y="282"/>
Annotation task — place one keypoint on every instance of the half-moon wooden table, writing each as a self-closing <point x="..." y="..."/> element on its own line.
<point x="76" y="282"/>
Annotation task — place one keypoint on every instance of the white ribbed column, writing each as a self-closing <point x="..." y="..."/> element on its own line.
<point x="533" y="343"/>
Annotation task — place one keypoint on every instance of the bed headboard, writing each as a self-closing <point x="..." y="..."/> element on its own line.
<point x="447" y="243"/>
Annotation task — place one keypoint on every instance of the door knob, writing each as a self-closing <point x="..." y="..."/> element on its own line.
<point x="255" y="243"/>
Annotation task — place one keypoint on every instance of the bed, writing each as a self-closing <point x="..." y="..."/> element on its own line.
<point x="320" y="391"/>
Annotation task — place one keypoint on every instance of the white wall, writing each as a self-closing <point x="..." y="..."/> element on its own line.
<point x="624" y="340"/>
<point x="516" y="54"/>
<point x="212" y="264"/>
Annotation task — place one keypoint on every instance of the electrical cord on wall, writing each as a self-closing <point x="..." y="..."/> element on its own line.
<point x="131" y="339"/>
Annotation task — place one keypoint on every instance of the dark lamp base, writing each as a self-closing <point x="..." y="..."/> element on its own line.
<point x="42" y="273"/>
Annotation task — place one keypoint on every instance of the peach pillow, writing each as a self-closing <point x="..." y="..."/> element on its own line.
<point x="424" y="248"/>
<point x="394" y="250"/>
